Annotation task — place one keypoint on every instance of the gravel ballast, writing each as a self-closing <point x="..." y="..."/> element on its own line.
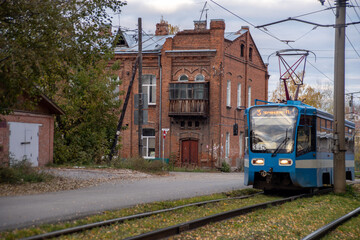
<point x="70" y="179"/>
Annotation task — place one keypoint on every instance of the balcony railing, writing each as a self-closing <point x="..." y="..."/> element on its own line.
<point x="189" y="99"/>
<point x="189" y="108"/>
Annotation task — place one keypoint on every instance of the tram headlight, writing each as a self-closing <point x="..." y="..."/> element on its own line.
<point x="285" y="162"/>
<point x="258" y="161"/>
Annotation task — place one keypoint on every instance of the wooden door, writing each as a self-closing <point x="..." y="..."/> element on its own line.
<point x="189" y="150"/>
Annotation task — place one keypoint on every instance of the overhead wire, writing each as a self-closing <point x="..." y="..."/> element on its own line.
<point x="272" y="35"/>
<point x="345" y="33"/>
<point x="306" y="14"/>
<point x="355" y="9"/>
<point x="266" y="32"/>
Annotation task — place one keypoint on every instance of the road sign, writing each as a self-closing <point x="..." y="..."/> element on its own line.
<point x="164" y="131"/>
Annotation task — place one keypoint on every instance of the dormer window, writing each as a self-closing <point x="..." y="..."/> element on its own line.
<point x="183" y="78"/>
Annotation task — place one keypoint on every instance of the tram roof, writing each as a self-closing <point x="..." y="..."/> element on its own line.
<point x="307" y="109"/>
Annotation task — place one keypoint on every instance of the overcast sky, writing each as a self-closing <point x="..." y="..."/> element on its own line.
<point x="319" y="73"/>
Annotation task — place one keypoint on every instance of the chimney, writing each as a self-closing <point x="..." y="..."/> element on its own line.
<point x="200" y="25"/>
<point x="162" y="28"/>
<point x="245" y="28"/>
<point x="217" y="24"/>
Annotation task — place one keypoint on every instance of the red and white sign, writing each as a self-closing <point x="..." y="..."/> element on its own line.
<point x="164" y="131"/>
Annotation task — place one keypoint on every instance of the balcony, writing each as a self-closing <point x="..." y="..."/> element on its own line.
<point x="189" y="99"/>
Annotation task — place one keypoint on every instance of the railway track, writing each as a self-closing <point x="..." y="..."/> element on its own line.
<point x="82" y="228"/>
<point x="182" y="227"/>
<point x="321" y="232"/>
<point x="187" y="226"/>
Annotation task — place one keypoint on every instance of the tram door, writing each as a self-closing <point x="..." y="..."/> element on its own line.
<point x="189" y="152"/>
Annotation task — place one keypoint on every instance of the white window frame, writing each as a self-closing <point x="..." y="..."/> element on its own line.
<point x="228" y="93"/>
<point x="147" y="89"/>
<point x="227" y="145"/>
<point x="239" y="95"/>
<point x="146" y="146"/>
<point x="249" y="96"/>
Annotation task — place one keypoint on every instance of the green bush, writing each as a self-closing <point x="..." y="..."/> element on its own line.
<point x="22" y="172"/>
<point x="225" y="167"/>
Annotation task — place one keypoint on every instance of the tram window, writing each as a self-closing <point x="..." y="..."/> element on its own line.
<point x="349" y="143"/>
<point x="306" y="135"/>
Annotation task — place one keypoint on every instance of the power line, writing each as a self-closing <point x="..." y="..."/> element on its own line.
<point x="266" y="32"/>
<point x="269" y="35"/>
<point x="314" y="28"/>
<point x="306" y="14"/>
<point x="354" y="25"/>
<point x="355" y="9"/>
<point x="345" y="34"/>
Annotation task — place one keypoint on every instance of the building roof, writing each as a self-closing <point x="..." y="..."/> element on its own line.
<point x="151" y="43"/>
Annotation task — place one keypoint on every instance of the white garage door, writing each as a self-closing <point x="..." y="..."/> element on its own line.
<point x="24" y="142"/>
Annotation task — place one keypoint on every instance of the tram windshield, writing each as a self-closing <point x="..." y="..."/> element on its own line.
<point x="272" y="129"/>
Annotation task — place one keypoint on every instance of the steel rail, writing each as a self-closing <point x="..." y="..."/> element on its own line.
<point x="89" y="226"/>
<point x="319" y="233"/>
<point x="187" y="226"/>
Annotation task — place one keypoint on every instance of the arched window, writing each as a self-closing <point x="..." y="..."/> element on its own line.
<point x="242" y="50"/>
<point x="199" y="78"/>
<point x="250" y="54"/>
<point x="183" y="78"/>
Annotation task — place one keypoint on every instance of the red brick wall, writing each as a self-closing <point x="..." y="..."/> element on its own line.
<point x="46" y="135"/>
<point x="217" y="67"/>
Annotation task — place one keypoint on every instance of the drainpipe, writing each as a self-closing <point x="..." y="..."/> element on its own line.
<point x="220" y="120"/>
<point x="160" y="105"/>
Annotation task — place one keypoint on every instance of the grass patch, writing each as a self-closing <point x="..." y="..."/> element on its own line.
<point x="135" y="227"/>
<point x="349" y="230"/>
<point x="357" y="174"/>
<point x="22" y="172"/>
<point x="293" y="220"/>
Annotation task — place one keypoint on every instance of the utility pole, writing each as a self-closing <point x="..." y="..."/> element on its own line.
<point x="141" y="101"/>
<point x="339" y="99"/>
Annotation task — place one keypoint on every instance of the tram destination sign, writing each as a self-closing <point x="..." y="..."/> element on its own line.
<point x="274" y="112"/>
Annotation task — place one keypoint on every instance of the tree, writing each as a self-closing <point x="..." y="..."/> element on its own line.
<point x="43" y="42"/>
<point x="90" y="100"/>
<point x="173" y="29"/>
<point x="314" y="97"/>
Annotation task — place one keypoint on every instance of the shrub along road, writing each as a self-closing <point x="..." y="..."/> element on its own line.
<point x="24" y="211"/>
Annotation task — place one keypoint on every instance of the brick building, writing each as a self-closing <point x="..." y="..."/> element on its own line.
<point x="197" y="83"/>
<point x="28" y="133"/>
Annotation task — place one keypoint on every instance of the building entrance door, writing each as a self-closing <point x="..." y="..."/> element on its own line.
<point x="189" y="152"/>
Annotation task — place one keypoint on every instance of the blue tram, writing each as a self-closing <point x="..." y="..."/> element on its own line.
<point x="289" y="147"/>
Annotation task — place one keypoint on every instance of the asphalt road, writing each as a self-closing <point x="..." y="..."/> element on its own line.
<point x="24" y="211"/>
